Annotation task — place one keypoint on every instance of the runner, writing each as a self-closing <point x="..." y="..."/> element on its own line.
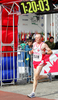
<point x="39" y="51"/>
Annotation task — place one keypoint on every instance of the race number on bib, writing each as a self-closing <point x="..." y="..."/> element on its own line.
<point x="36" y="56"/>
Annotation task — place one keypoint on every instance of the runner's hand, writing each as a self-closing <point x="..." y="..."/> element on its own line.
<point x="30" y="52"/>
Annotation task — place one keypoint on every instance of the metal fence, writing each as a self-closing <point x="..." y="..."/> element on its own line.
<point x="14" y="66"/>
<point x="18" y="65"/>
<point x="25" y="66"/>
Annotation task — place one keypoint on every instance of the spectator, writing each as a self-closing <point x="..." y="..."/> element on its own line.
<point x="32" y="36"/>
<point x="27" y="56"/>
<point x="51" y="43"/>
<point x="22" y="45"/>
<point x="56" y="45"/>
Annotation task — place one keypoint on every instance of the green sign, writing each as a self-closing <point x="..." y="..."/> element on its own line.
<point x="36" y="6"/>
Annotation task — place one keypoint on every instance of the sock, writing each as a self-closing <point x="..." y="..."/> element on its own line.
<point x="33" y="92"/>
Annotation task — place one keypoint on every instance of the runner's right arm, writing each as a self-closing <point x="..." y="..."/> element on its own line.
<point x="31" y="52"/>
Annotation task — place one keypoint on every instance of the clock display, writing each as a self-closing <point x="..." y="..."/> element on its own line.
<point x="35" y="6"/>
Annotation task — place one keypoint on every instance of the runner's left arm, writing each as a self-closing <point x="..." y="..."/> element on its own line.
<point x="49" y="51"/>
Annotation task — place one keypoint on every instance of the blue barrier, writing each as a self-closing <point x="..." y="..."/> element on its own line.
<point x="7" y="69"/>
<point x="21" y="59"/>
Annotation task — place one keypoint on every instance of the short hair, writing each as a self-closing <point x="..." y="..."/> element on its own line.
<point x="38" y="34"/>
<point x="51" y="37"/>
<point x="30" y="40"/>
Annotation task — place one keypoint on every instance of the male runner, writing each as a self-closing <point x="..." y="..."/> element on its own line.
<point x="39" y="51"/>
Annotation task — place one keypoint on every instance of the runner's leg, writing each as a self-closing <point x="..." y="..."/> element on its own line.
<point x="42" y="77"/>
<point x="36" y="75"/>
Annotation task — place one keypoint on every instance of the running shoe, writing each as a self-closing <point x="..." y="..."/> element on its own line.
<point x="32" y="95"/>
<point x="50" y="76"/>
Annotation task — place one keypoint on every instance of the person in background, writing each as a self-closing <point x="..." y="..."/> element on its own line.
<point x="51" y="43"/>
<point x="32" y="36"/>
<point x="28" y="47"/>
<point x="56" y="45"/>
<point x="22" y="45"/>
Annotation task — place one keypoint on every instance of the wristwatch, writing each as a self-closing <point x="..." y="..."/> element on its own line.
<point x="45" y="52"/>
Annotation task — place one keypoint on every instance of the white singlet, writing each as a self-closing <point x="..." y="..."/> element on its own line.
<point x="37" y="52"/>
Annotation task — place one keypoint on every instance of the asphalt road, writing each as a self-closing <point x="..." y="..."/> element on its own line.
<point x="45" y="89"/>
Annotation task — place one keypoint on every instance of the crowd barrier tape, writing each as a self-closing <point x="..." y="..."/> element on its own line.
<point x="52" y="64"/>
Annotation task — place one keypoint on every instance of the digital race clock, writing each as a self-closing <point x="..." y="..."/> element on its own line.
<point x="35" y="6"/>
